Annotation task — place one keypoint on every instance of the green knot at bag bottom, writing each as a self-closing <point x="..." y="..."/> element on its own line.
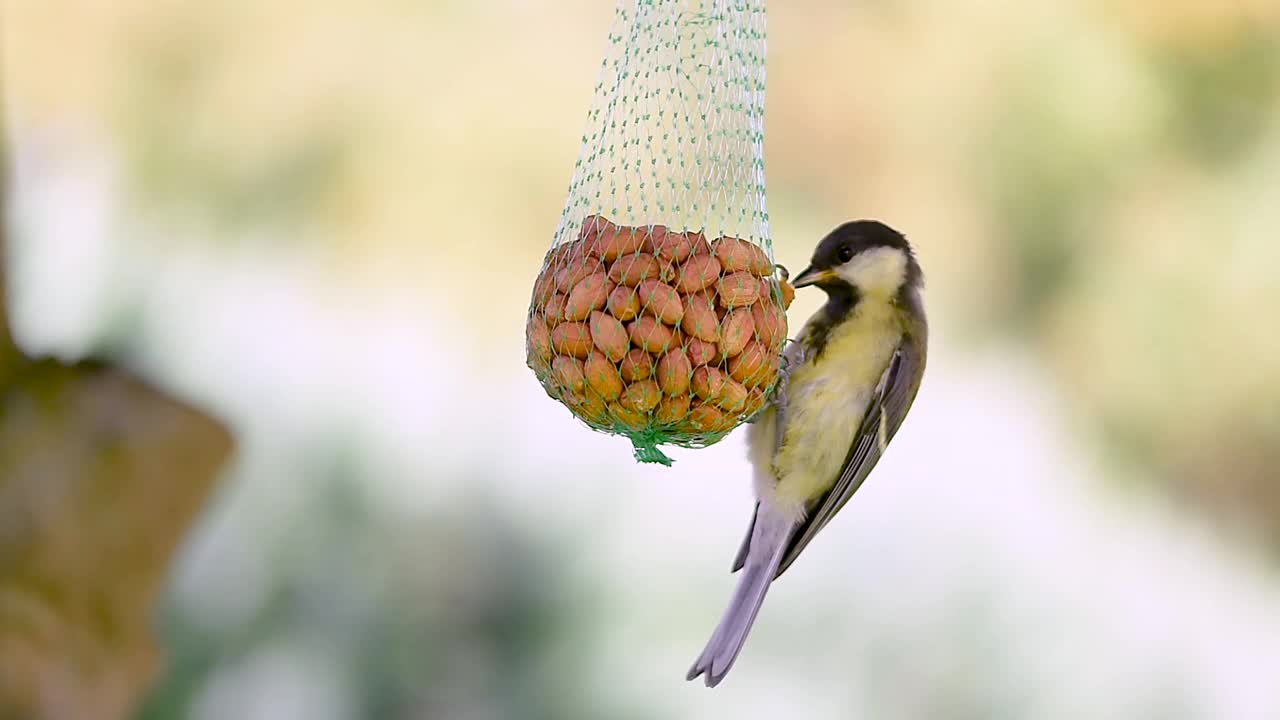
<point x="646" y="449"/>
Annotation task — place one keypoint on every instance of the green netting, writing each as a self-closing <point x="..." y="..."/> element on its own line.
<point x="658" y="313"/>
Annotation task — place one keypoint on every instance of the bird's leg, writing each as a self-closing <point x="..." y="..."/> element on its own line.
<point x="792" y="358"/>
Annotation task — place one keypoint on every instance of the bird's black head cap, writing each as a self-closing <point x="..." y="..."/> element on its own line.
<point x="857" y="236"/>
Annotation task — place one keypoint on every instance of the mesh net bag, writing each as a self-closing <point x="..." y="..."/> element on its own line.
<point x="658" y="313"/>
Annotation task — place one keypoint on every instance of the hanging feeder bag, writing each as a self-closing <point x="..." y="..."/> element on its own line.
<point x="658" y="313"/>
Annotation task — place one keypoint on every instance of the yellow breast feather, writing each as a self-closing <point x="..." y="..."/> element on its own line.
<point x="828" y="397"/>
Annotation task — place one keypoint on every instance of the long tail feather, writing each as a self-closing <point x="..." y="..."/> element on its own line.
<point x="768" y="545"/>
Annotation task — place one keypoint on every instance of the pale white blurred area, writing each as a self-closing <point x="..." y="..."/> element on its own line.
<point x="985" y="570"/>
<point x="64" y="224"/>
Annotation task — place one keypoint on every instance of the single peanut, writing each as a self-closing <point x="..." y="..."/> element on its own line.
<point x="602" y="376"/>
<point x="700" y="352"/>
<point x="734" y="254"/>
<point x="674" y="372"/>
<point x="705" y="418"/>
<point x="572" y="339"/>
<point x="591" y="293"/>
<point x="662" y="301"/>
<point x="637" y="365"/>
<point x="749" y="367"/>
<point x="737" y="330"/>
<point x="649" y="334"/>
<point x="631" y="270"/>
<point x="674" y="246"/>
<point x="619" y="240"/>
<point x="568" y="372"/>
<point x="624" y="303"/>
<point x="574" y="270"/>
<point x="733" y="397"/>
<point x="538" y="338"/>
<point x="591" y="408"/>
<point x="700" y="319"/>
<point x="554" y="310"/>
<point x="641" y="396"/>
<point x="708" y="383"/>
<point x="698" y="272"/>
<point x="738" y="289"/>
<point x="608" y="335"/>
<point x="671" y="410"/>
<point x="629" y="419"/>
<point x="770" y="324"/>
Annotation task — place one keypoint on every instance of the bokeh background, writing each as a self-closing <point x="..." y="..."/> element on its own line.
<point x="320" y="222"/>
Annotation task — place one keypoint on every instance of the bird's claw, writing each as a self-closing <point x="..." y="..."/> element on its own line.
<point x="792" y="358"/>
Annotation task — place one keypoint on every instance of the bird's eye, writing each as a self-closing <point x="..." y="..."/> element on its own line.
<point x="844" y="254"/>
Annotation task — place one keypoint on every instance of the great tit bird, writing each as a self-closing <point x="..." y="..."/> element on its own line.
<point x="849" y="379"/>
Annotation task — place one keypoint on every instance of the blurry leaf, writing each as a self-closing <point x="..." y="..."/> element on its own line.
<point x="1224" y="95"/>
<point x="182" y="160"/>
<point x="1047" y="179"/>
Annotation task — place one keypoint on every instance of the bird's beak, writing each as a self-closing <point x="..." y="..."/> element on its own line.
<point x="811" y="276"/>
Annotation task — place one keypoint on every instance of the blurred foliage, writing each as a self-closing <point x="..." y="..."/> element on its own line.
<point x="176" y="165"/>
<point x="1049" y="180"/>
<point x="459" y="612"/>
<point x="1224" y="95"/>
<point x="1141" y="240"/>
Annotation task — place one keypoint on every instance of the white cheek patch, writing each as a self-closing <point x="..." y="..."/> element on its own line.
<point x="879" y="270"/>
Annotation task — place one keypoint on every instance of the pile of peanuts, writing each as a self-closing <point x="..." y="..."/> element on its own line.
<point x="644" y="327"/>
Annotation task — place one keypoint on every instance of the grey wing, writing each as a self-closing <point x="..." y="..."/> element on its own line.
<point x="741" y="558"/>
<point x="884" y="416"/>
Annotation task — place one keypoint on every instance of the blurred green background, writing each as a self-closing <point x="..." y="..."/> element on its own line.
<point x="321" y="221"/>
